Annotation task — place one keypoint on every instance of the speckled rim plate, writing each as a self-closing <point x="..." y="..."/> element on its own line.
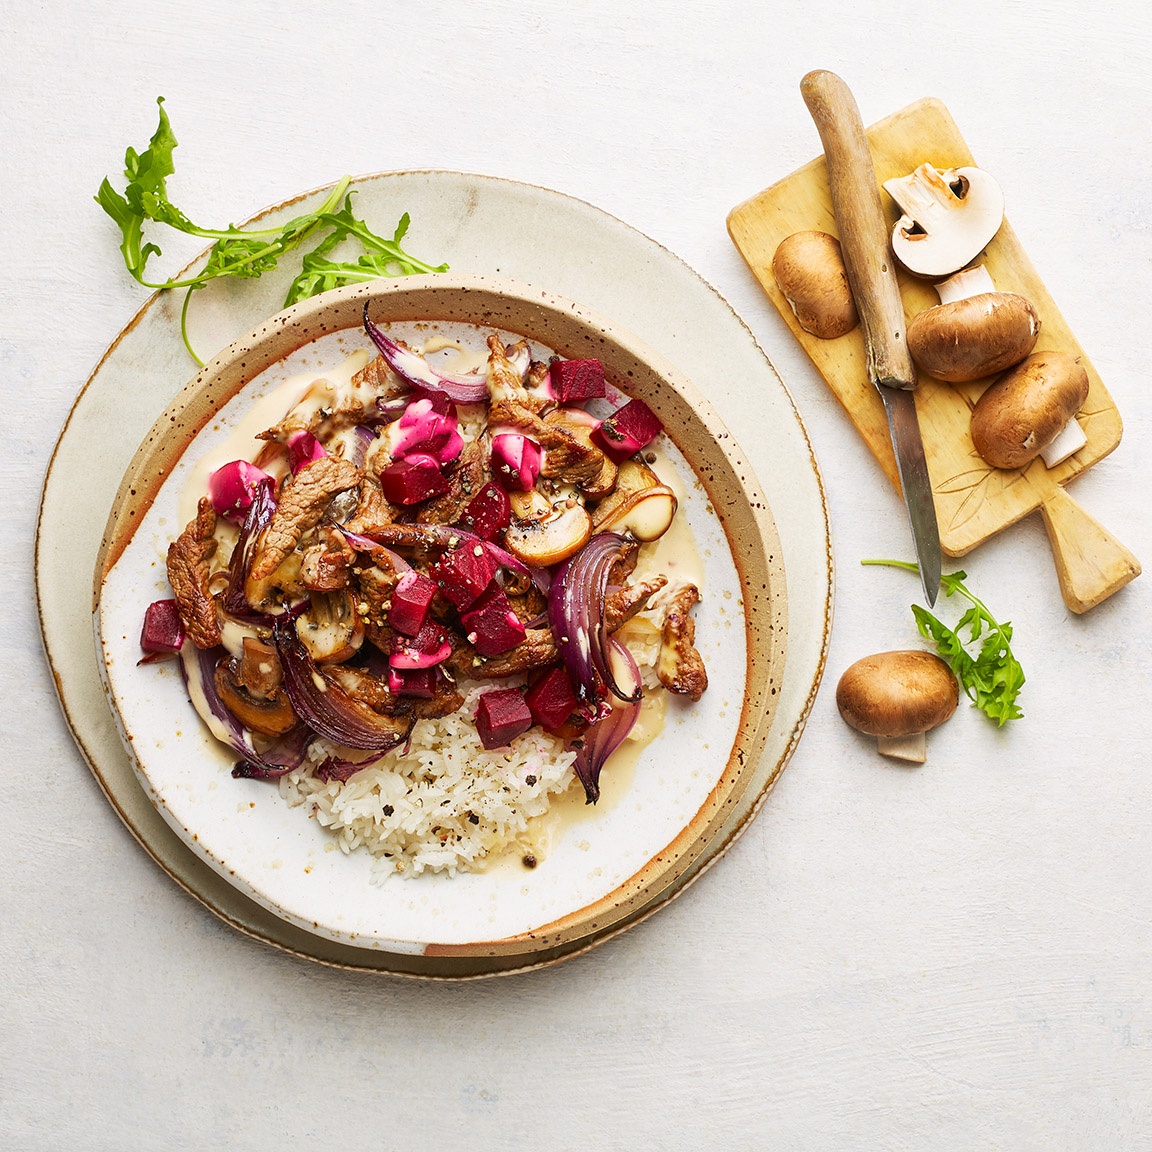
<point x="484" y="224"/>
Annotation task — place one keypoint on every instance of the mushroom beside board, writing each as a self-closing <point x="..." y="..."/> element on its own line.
<point x="898" y="697"/>
<point x="809" y="271"/>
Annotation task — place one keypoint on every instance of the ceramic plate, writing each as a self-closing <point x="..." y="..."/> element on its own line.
<point x="487" y="224"/>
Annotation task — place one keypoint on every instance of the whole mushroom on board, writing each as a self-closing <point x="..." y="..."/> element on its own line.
<point x="809" y="272"/>
<point x="949" y="217"/>
<point x="974" y="331"/>
<point x="898" y="697"/>
<point x="1029" y="412"/>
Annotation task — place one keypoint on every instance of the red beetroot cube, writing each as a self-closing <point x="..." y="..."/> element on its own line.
<point x="627" y="430"/>
<point x="419" y="682"/>
<point x="413" y="480"/>
<point x="501" y="716"/>
<point x="492" y="628"/>
<point x="163" y="630"/>
<point x="551" y="699"/>
<point x="424" y="650"/>
<point x="488" y="513"/>
<point x="410" y="602"/>
<point x="572" y="381"/>
<point x="465" y="572"/>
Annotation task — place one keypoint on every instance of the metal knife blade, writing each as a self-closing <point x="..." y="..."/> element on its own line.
<point x="872" y="278"/>
<point x="900" y="404"/>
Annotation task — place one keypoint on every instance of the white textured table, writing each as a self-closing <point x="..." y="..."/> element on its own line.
<point x="950" y="957"/>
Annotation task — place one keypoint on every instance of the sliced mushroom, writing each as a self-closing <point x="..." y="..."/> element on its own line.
<point x="541" y="543"/>
<point x="949" y="217"/>
<point x="330" y="628"/>
<point x="898" y="697"/>
<point x="270" y="716"/>
<point x="809" y="271"/>
<point x="639" y="504"/>
<point x="1024" y="411"/>
<point x="974" y="331"/>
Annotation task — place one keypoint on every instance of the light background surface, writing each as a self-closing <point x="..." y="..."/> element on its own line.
<point x="948" y="957"/>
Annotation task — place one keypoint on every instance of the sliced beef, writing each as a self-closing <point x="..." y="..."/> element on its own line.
<point x="188" y="573"/>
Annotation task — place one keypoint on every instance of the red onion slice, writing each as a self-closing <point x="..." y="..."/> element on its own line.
<point x="576" y="613"/>
<point x="325" y="707"/>
<point x="416" y="372"/>
<point x="603" y="737"/>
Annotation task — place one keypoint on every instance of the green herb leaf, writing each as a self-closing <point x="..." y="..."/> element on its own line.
<point x="982" y="659"/>
<point x="246" y="252"/>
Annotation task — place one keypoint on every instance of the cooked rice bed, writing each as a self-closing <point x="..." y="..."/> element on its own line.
<point x="444" y="804"/>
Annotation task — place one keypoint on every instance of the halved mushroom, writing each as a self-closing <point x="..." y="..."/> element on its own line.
<point x="809" y="271"/>
<point x="974" y="331"/>
<point x="270" y="716"/>
<point x="1026" y="409"/>
<point x="898" y="697"/>
<point x="330" y="628"/>
<point x="949" y="217"/>
<point x="639" y="504"/>
<point x="542" y="543"/>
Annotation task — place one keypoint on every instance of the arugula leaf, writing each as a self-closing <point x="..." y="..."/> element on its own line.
<point x="991" y="676"/>
<point x="246" y="252"/>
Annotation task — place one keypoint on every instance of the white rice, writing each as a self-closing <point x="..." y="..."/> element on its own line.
<point x="443" y="804"/>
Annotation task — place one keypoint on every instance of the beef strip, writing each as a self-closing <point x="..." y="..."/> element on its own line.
<point x="679" y="665"/>
<point x="467" y="475"/>
<point x="302" y="505"/>
<point x="188" y="572"/>
<point x="327" y="564"/>
<point x="620" y="606"/>
<point x="536" y="650"/>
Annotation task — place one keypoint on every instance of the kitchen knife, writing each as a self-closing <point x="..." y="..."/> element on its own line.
<point x="872" y="278"/>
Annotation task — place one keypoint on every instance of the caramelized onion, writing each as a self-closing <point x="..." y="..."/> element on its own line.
<point x="325" y="707"/>
<point x="576" y="613"/>
<point x="607" y="734"/>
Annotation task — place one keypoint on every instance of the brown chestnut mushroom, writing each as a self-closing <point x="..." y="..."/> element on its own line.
<point x="1025" y="410"/>
<point x="898" y="697"/>
<point x="974" y="331"/>
<point x="948" y="218"/>
<point x="809" y="271"/>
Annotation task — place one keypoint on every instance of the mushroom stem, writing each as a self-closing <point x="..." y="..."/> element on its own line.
<point x="927" y="197"/>
<point x="965" y="284"/>
<point x="912" y="748"/>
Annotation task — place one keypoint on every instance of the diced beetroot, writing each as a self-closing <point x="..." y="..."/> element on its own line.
<point x="627" y="430"/>
<point x="303" y="448"/>
<point x="427" y="648"/>
<point x="231" y="488"/>
<point x="488" y="513"/>
<point x="465" y="572"/>
<point x="551" y="699"/>
<point x="163" y="630"/>
<point x="501" y="716"/>
<point x="492" y="628"/>
<point x="572" y="381"/>
<point x="424" y="431"/>
<point x="410" y="600"/>
<point x="515" y="461"/>
<point x="412" y="480"/>
<point x="420" y="682"/>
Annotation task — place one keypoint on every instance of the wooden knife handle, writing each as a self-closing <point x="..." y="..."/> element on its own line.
<point x="862" y="226"/>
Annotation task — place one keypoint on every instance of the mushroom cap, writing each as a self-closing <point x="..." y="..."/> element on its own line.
<point x="949" y="216"/>
<point x="897" y="693"/>
<point x="809" y="271"/>
<point x="973" y="337"/>
<point x="1022" y="412"/>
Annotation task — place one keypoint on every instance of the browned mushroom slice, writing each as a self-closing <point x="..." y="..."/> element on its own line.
<point x="188" y="573"/>
<point x="542" y="543"/>
<point x="679" y="666"/>
<point x="639" y="504"/>
<point x="259" y="670"/>
<point x="330" y="628"/>
<point x="270" y="716"/>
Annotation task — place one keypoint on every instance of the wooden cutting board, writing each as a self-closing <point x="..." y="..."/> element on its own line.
<point x="973" y="500"/>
